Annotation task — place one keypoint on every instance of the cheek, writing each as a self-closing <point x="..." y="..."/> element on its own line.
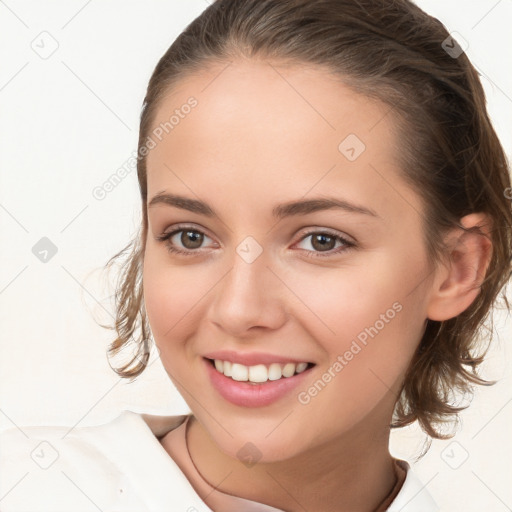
<point x="339" y="303"/>
<point x="173" y="296"/>
<point x="360" y="375"/>
<point x="368" y="324"/>
<point x="360" y="378"/>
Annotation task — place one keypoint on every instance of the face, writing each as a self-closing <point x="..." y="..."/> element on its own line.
<point x="262" y="285"/>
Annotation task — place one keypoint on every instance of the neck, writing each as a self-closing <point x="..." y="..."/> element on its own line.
<point x="352" y="472"/>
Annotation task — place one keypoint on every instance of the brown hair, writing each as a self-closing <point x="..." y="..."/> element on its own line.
<point x="450" y="155"/>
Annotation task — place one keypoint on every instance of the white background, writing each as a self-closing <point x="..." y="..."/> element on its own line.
<point x="69" y="121"/>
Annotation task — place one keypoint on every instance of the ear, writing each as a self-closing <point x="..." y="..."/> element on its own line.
<point x="457" y="283"/>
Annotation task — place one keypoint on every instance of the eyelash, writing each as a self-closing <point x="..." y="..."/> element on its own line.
<point x="310" y="254"/>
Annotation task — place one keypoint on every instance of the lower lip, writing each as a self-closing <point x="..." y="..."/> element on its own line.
<point x="246" y="394"/>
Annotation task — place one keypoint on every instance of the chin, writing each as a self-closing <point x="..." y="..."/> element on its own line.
<point x="257" y="446"/>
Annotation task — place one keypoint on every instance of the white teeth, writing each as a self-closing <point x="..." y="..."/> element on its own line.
<point x="239" y="372"/>
<point x="274" y="371"/>
<point x="288" y="369"/>
<point x="301" y="367"/>
<point x="258" y="373"/>
<point x="227" y="368"/>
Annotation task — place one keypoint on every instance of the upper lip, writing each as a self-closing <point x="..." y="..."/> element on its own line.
<point x="252" y="358"/>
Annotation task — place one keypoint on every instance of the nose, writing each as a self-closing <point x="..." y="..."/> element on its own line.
<point x="249" y="298"/>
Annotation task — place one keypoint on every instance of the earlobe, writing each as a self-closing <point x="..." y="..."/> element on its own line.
<point x="457" y="284"/>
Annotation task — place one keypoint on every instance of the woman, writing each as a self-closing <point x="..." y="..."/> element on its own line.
<point x="324" y="230"/>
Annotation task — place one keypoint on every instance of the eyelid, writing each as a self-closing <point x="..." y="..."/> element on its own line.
<point x="346" y="244"/>
<point x="328" y="231"/>
<point x="165" y="238"/>
<point x="176" y="228"/>
<point x="347" y="241"/>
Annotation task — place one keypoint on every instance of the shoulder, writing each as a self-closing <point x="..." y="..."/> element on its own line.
<point x="413" y="496"/>
<point x="161" y="425"/>
<point x="84" y="467"/>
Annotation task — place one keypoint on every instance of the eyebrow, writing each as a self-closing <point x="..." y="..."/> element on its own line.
<point x="300" y="207"/>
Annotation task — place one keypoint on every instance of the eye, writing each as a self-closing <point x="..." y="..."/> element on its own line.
<point x="189" y="237"/>
<point x="325" y="242"/>
<point x="187" y="240"/>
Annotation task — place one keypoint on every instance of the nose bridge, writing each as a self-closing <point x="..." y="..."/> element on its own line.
<point x="248" y="294"/>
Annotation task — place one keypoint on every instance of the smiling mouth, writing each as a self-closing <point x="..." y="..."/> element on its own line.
<point x="260" y="373"/>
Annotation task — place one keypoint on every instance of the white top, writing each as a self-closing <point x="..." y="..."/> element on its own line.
<point x="119" y="466"/>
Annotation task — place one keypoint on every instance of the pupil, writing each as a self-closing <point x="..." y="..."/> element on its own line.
<point x="186" y="237"/>
<point x="321" y="240"/>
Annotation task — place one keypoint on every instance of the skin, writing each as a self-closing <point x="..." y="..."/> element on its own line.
<point x="263" y="134"/>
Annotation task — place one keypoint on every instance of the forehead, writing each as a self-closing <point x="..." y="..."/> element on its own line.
<point x="259" y="128"/>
